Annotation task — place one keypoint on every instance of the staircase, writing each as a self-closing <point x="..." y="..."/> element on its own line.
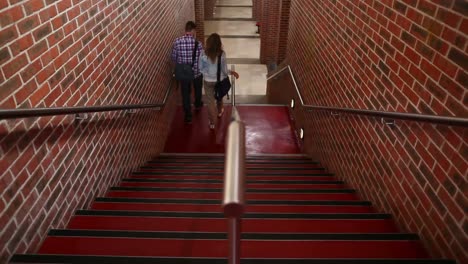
<point x="169" y="212"/>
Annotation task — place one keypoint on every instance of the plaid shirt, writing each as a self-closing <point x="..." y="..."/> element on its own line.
<point x="182" y="52"/>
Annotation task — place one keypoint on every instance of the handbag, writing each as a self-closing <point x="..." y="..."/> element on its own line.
<point x="184" y="72"/>
<point x="222" y="87"/>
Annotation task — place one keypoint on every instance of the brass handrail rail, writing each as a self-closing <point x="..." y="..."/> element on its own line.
<point x="446" y="120"/>
<point x="53" y="111"/>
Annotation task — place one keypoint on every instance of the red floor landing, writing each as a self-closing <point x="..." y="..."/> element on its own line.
<point x="268" y="130"/>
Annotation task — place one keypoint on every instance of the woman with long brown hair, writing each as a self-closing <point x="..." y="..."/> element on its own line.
<point x="208" y="67"/>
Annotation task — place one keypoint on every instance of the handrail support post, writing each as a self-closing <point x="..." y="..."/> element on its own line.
<point x="389" y="122"/>
<point x="234" y="237"/>
<point x="130" y="111"/>
<point x="81" y="116"/>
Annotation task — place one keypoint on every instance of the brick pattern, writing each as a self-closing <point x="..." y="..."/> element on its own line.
<point x="269" y="32"/>
<point x="284" y="30"/>
<point x="257" y="9"/>
<point x="200" y="19"/>
<point x="70" y="53"/>
<point x="393" y="55"/>
<point x="209" y="6"/>
<point x="274" y="18"/>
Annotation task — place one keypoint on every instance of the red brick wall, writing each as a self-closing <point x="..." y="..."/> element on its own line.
<point x="406" y="56"/>
<point x="257" y="9"/>
<point x="209" y="9"/>
<point x="274" y="18"/>
<point x="73" y="53"/>
<point x="200" y="19"/>
<point x="269" y="32"/>
<point x="284" y="30"/>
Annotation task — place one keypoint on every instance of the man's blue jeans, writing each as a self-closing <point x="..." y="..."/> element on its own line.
<point x="186" y="94"/>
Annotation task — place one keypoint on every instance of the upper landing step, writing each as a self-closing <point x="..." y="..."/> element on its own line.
<point x="228" y="11"/>
<point x="231" y="19"/>
<point x="226" y="28"/>
<point x="234" y="2"/>
<point x="36" y="258"/>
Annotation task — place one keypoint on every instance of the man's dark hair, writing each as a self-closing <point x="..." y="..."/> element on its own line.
<point x="190" y="26"/>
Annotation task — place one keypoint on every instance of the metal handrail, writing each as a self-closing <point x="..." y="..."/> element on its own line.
<point x="234" y="181"/>
<point x="52" y="111"/>
<point x="234" y="184"/>
<point x="445" y="120"/>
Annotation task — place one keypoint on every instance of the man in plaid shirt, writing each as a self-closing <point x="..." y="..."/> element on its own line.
<point x="182" y="53"/>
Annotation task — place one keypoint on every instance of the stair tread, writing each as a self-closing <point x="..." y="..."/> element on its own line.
<point x="252" y="165"/>
<point x="219" y="190"/>
<point x="217" y="208"/>
<point x="218" y="247"/>
<point x="44" y="258"/>
<point x="222" y="157"/>
<point x="145" y="223"/>
<point x="222" y="173"/>
<point x="248" y="162"/>
<point x="218" y="201"/>
<point x="213" y="168"/>
<point x="250" y="186"/>
<point x="221" y="181"/>
<point x="249" y="196"/>
<point x="142" y="175"/>
<point x="272" y="236"/>
<point x="245" y="216"/>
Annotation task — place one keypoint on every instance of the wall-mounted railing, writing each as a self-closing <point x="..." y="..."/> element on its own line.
<point x="388" y="117"/>
<point x="77" y="110"/>
<point x="234" y="179"/>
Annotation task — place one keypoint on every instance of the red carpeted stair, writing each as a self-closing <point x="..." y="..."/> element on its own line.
<point x="169" y="212"/>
